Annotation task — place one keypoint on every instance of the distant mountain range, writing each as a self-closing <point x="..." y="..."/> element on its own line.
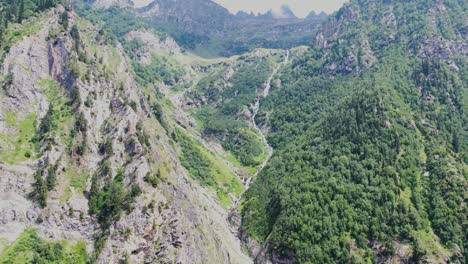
<point x="211" y="30"/>
<point x="284" y="12"/>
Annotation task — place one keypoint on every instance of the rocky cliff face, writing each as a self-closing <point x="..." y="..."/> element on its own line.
<point x="386" y="23"/>
<point x="199" y="17"/>
<point x="152" y="44"/>
<point x="104" y="130"/>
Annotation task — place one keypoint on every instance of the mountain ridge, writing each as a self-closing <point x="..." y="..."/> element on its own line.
<point x="198" y="24"/>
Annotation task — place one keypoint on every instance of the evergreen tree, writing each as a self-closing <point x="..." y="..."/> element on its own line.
<point x="64" y="20"/>
<point x="21" y="11"/>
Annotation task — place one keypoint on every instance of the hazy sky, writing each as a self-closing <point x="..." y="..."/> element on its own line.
<point x="300" y="7"/>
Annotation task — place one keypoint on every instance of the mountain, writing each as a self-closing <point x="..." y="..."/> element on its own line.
<point x="210" y="30"/>
<point x="90" y="170"/>
<point x="245" y="15"/>
<point x="313" y="15"/>
<point x="284" y="12"/>
<point x="118" y="143"/>
<point x="367" y="128"/>
<point x="199" y="17"/>
<point x="101" y="161"/>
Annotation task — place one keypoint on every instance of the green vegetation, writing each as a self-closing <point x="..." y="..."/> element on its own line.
<point x="222" y="122"/>
<point x="76" y="178"/>
<point x="40" y="191"/>
<point x="194" y="161"/>
<point x="51" y="177"/>
<point x="115" y="21"/>
<point x="30" y="248"/>
<point x="160" y="69"/>
<point x="56" y="127"/>
<point x="112" y="199"/>
<point x="11" y="119"/>
<point x="363" y="159"/>
<point x="75" y="34"/>
<point x="249" y="171"/>
<point x="58" y="115"/>
<point x="45" y="181"/>
<point x="208" y="170"/>
<point x="154" y="179"/>
<point x="21" y="145"/>
<point x="201" y="164"/>
<point x="78" y="181"/>
<point x="16" y="11"/>
<point x="64" y="20"/>
<point x="341" y="168"/>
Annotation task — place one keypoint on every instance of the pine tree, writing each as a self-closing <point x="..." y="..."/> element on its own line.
<point x="52" y="178"/>
<point x="13" y="11"/>
<point x="21" y="12"/>
<point x="75" y="33"/>
<point x="64" y="20"/>
<point x="2" y="27"/>
<point x="40" y="189"/>
<point x="68" y="5"/>
<point x="47" y="123"/>
<point x="456" y="142"/>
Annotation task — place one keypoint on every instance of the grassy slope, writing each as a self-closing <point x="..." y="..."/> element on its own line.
<point x="30" y="248"/>
<point x="18" y="146"/>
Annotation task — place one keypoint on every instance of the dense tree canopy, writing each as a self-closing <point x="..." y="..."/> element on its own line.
<point x="367" y="160"/>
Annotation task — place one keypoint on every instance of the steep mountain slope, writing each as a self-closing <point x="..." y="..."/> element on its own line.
<point x="220" y="92"/>
<point x="369" y="131"/>
<point x="118" y="145"/>
<point x="226" y="100"/>
<point x="85" y="161"/>
<point x="269" y="32"/>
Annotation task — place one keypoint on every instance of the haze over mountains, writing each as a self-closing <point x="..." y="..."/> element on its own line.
<point x="211" y="30"/>
<point x="173" y="131"/>
<point x="300" y="8"/>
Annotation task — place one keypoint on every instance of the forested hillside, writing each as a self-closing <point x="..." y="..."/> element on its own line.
<point x="370" y="137"/>
<point x="18" y="10"/>
<point x="119" y="144"/>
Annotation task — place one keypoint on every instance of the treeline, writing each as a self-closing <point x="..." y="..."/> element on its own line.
<point x="15" y="11"/>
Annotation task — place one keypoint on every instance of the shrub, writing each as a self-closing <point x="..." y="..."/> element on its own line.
<point x="52" y="177"/>
<point x="153" y="179"/>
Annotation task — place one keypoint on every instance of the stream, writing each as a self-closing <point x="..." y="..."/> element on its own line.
<point x="269" y="149"/>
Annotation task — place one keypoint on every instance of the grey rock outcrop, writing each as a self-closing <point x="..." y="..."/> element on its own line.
<point x="178" y="222"/>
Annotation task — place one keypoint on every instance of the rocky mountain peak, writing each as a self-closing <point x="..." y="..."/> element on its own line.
<point x="314" y="15"/>
<point x="282" y="12"/>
